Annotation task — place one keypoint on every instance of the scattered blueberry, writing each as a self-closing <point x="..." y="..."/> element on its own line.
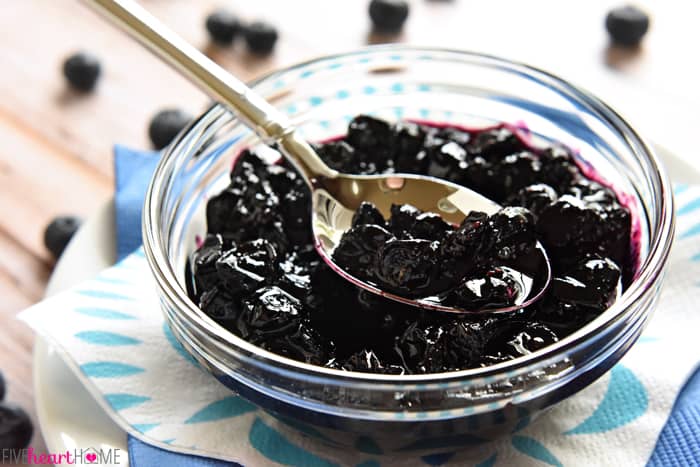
<point x="223" y="26"/>
<point x="627" y="25"/>
<point x="260" y="37"/>
<point x="59" y="232"/>
<point x="165" y="126"/>
<point x="388" y="15"/>
<point x="16" y="428"/>
<point x="82" y="70"/>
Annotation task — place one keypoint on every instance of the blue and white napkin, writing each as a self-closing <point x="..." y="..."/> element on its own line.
<point x="111" y="332"/>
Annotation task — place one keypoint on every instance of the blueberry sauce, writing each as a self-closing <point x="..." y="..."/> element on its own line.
<point x="257" y="274"/>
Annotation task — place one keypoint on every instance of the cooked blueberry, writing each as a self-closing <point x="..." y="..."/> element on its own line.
<point x="567" y="221"/>
<point x="593" y="282"/>
<point x="462" y="249"/>
<point x="492" y="289"/>
<point x="204" y="262"/>
<point x="166" y="125"/>
<point x="454" y="345"/>
<point x="247" y="267"/>
<point x="300" y="342"/>
<point x="408" y="267"/>
<point x="368" y="213"/>
<point x="402" y="218"/>
<point x="411" y="345"/>
<point x="357" y="249"/>
<point x="495" y="143"/>
<point x="223" y="26"/>
<point x="388" y="15"/>
<point x="219" y="304"/>
<point x="368" y="133"/>
<point x="454" y="134"/>
<point x="16" y="427"/>
<point x="408" y="141"/>
<point x="447" y="161"/>
<point x="82" y="70"/>
<point x="296" y="212"/>
<point x="559" y="169"/>
<point x="534" y="197"/>
<point x="518" y="338"/>
<point x="627" y="25"/>
<point x="430" y="226"/>
<point x="366" y="361"/>
<point x="513" y="232"/>
<point x="516" y="171"/>
<point x="260" y="37"/>
<point x="269" y="310"/>
<point x="339" y="155"/>
<point x="59" y="233"/>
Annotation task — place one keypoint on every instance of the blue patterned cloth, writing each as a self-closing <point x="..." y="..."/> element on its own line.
<point x="678" y="443"/>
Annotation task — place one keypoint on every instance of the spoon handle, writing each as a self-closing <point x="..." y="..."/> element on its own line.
<point x="258" y="114"/>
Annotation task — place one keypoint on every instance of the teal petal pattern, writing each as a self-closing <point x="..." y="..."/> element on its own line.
<point x="109" y="369"/>
<point x="689" y="207"/>
<point x="625" y="400"/>
<point x="121" y="401"/>
<point x="278" y="449"/>
<point x="106" y="338"/>
<point x="102" y="294"/>
<point x="535" y="449"/>
<point x="103" y="313"/>
<point x="232" y="406"/>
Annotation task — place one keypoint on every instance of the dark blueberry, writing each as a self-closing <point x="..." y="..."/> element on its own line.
<point x="369" y="134"/>
<point x="455" y="345"/>
<point x="448" y="161"/>
<point x="408" y="267"/>
<point x="270" y="310"/>
<point x="534" y="197"/>
<point x="282" y="179"/>
<point x="223" y="26"/>
<point x="358" y="247"/>
<point x="204" y="262"/>
<point x="16" y="427"/>
<point x="388" y="15"/>
<point x="339" y="155"/>
<point x="518" y="338"/>
<point x="260" y="37"/>
<point x="495" y="143"/>
<point x="454" y="134"/>
<point x="368" y="213"/>
<point x="295" y="276"/>
<point x="627" y="25"/>
<point x="513" y="232"/>
<point x="402" y="218"/>
<point x="492" y="289"/>
<point x="166" y="125"/>
<point x="408" y="140"/>
<point x="220" y="305"/>
<point x="592" y="192"/>
<point x="559" y="168"/>
<point x="411" y="345"/>
<point x="568" y="222"/>
<point x="430" y="226"/>
<point x="247" y="267"/>
<point x="518" y="170"/>
<point x="248" y="162"/>
<point x="366" y="361"/>
<point x="299" y="342"/>
<point x="82" y="70"/>
<point x="59" y="233"/>
<point x="592" y="283"/>
<point x="296" y="212"/>
<point x="461" y="250"/>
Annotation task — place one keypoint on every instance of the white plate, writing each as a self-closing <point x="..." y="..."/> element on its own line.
<point x="69" y="417"/>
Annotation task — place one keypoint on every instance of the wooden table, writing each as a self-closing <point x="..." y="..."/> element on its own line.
<point x="55" y="150"/>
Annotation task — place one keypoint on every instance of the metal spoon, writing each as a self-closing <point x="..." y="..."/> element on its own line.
<point x="335" y="196"/>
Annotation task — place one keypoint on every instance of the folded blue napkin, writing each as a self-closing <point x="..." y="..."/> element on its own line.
<point x="678" y="443"/>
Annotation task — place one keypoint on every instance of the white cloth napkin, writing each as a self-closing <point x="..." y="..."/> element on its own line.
<point x="112" y="334"/>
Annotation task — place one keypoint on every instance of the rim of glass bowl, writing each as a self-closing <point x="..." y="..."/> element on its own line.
<point x="647" y="275"/>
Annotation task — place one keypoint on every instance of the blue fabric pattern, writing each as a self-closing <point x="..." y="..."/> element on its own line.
<point x="678" y="444"/>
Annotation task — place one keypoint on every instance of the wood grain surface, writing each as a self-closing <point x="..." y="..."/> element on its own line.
<point x="55" y="144"/>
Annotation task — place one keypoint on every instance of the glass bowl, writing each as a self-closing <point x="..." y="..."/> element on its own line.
<point x="413" y="414"/>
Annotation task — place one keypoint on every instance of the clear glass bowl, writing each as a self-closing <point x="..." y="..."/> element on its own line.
<point x="410" y="413"/>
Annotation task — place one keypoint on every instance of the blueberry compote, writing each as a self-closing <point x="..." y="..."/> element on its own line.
<point x="258" y="275"/>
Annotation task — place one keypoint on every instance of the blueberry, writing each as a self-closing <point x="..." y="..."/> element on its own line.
<point x="516" y="171"/>
<point x="59" y="232"/>
<point x="448" y="161"/>
<point x="462" y="249"/>
<point x="534" y="197"/>
<point x="411" y="345"/>
<point x="408" y="267"/>
<point x="627" y="25"/>
<point x="223" y="26"/>
<point x="409" y="138"/>
<point x="16" y="427"/>
<point x="165" y="126"/>
<point x="518" y="338"/>
<point x="402" y="218"/>
<point x="513" y="233"/>
<point x="366" y="361"/>
<point x="204" y="262"/>
<point x="299" y="342"/>
<point x="82" y="70"/>
<point x="388" y="15"/>
<point x="559" y="168"/>
<point x="430" y="226"/>
<point x="369" y="134"/>
<point x="247" y="267"/>
<point x="218" y="303"/>
<point x="495" y="144"/>
<point x="568" y="222"/>
<point x="269" y="310"/>
<point x="260" y="37"/>
<point x="368" y="213"/>
<point x="339" y="155"/>
<point x="454" y="346"/>
<point x="356" y="252"/>
<point x="491" y="289"/>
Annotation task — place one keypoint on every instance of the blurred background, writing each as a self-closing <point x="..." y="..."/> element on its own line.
<point x="56" y="151"/>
